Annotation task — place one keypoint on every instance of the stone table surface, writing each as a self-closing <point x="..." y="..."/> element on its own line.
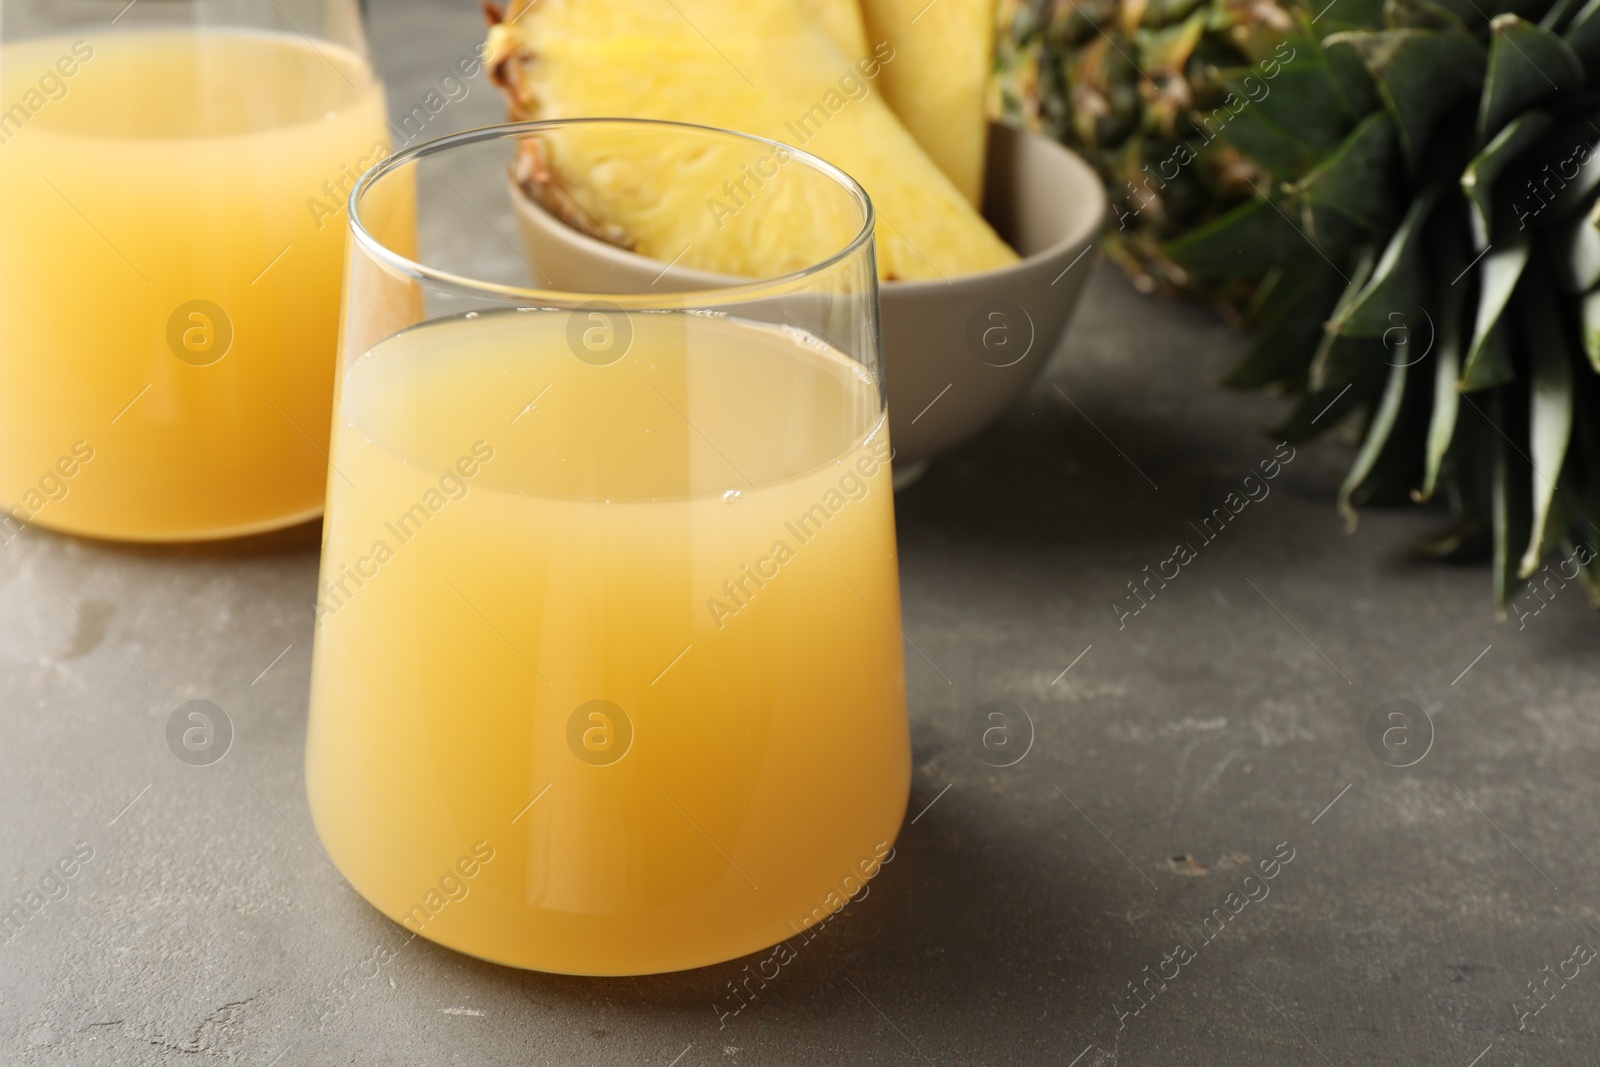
<point x="1223" y="725"/>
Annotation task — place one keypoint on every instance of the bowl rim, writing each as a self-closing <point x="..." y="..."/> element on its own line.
<point x="1083" y="232"/>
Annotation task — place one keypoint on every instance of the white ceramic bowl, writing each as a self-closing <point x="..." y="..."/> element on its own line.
<point x="958" y="352"/>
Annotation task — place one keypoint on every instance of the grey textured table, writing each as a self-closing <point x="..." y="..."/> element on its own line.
<point x="1226" y="722"/>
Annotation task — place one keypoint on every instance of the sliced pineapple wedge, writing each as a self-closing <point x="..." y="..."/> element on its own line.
<point x="767" y="67"/>
<point x="842" y="20"/>
<point x="938" y="83"/>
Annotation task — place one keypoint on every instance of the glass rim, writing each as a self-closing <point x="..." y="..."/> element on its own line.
<point x="742" y="290"/>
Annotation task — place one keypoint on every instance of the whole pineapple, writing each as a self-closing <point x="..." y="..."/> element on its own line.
<point x="1419" y="240"/>
<point x="1128" y="83"/>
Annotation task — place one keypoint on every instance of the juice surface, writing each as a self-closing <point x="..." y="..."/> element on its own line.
<point x="608" y="676"/>
<point x="170" y="269"/>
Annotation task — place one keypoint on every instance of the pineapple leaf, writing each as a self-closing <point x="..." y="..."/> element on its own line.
<point x="1421" y="76"/>
<point x="1589" y="572"/>
<point x="1560" y="15"/>
<point x="1293" y="305"/>
<point x="1473" y="14"/>
<point x="1532" y="10"/>
<point x="1508" y="505"/>
<point x="1357" y="361"/>
<point x="1421" y="15"/>
<point x="1355" y="281"/>
<point x="1247" y="241"/>
<point x="1549" y="410"/>
<point x="1394" y="292"/>
<point x="1584" y="458"/>
<point x="1299" y="118"/>
<point x="1467" y="477"/>
<point x="1318" y="410"/>
<point x="1348" y="71"/>
<point x="1489" y="359"/>
<point x="1526" y="64"/>
<point x="1372" y="446"/>
<point x="1446" y="403"/>
<point x="1345" y="15"/>
<point x="1575" y="146"/>
<point x="1478" y="180"/>
<point x="1591" y="328"/>
<point x="1577" y="253"/>
<point x="1583" y="37"/>
<point x="1352" y="182"/>
<point x="1280" y="149"/>
<point x="1488" y="362"/>
<point x="1450" y="255"/>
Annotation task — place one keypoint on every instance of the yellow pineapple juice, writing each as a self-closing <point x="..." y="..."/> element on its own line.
<point x="170" y="275"/>
<point x="607" y="675"/>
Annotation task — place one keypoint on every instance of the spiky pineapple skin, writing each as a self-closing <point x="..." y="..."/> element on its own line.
<point x="1128" y="84"/>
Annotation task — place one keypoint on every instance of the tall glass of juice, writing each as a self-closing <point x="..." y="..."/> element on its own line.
<point x="174" y="177"/>
<point x="608" y="674"/>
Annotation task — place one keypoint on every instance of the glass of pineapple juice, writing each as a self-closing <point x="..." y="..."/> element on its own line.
<point x="173" y="178"/>
<point x="608" y="675"/>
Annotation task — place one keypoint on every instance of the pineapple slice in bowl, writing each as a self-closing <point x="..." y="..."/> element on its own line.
<point x="939" y="84"/>
<point x="768" y="68"/>
<point x="958" y="351"/>
<point x="843" y="21"/>
<point x="967" y="323"/>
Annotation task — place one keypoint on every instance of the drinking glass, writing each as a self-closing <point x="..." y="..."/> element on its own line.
<point x="173" y="177"/>
<point x="608" y="674"/>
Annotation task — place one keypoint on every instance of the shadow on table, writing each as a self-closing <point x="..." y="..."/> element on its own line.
<point x="964" y="920"/>
<point x="1047" y="476"/>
